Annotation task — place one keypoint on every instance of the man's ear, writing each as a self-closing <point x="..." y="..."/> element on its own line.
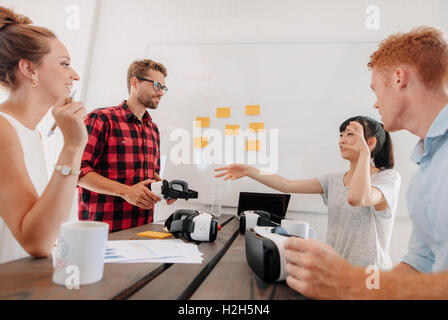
<point x="371" y="142"/>
<point x="133" y="82"/>
<point x="401" y="77"/>
<point x="26" y="69"/>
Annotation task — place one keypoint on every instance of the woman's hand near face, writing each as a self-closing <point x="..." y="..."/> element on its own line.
<point x="359" y="145"/>
<point x="69" y="116"/>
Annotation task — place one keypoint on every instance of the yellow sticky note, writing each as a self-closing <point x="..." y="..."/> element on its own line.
<point x="256" y="126"/>
<point x="200" y="142"/>
<point x="222" y="112"/>
<point x="202" y="122"/>
<point x="232" y="130"/>
<point x="155" y="234"/>
<point x="253" y="110"/>
<point x="253" y="145"/>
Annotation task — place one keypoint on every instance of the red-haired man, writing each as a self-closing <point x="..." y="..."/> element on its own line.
<point x="410" y="80"/>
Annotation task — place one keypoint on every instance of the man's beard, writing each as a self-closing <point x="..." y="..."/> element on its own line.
<point x="147" y="102"/>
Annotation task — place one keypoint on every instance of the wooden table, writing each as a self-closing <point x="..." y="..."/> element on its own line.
<point x="223" y="274"/>
<point x="233" y="279"/>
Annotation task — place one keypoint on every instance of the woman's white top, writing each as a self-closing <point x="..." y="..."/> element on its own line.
<point x="34" y="158"/>
<point x="361" y="234"/>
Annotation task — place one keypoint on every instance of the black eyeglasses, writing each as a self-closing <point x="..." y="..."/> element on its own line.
<point x="156" y="84"/>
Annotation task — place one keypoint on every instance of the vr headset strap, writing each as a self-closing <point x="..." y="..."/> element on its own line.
<point x="182" y="225"/>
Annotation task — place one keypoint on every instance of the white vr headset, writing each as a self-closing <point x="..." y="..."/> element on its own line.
<point x="265" y="248"/>
<point x="256" y="218"/>
<point x="265" y="252"/>
<point x="192" y="225"/>
<point x="176" y="189"/>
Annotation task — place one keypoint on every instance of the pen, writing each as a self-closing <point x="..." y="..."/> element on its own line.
<point x="53" y="127"/>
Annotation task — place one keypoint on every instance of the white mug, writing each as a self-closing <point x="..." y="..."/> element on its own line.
<point x="79" y="257"/>
<point x="298" y="228"/>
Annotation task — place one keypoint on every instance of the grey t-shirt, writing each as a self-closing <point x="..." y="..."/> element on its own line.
<point x="361" y="234"/>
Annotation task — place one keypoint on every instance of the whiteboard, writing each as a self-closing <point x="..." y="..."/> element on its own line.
<point x="305" y="91"/>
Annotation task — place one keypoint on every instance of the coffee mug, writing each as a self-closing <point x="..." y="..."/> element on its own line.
<point x="79" y="256"/>
<point x="298" y="228"/>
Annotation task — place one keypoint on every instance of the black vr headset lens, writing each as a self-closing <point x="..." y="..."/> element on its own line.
<point x="178" y="187"/>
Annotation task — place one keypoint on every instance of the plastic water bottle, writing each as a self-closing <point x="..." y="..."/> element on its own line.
<point x="216" y="199"/>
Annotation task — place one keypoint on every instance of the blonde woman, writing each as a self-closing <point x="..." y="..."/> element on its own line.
<point x="35" y="68"/>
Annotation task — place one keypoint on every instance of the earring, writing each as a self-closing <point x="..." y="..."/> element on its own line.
<point x="34" y="84"/>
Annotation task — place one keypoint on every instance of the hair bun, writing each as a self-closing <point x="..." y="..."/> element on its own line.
<point x="9" y="17"/>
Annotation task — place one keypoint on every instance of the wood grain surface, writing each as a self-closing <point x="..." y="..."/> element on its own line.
<point x="233" y="279"/>
<point x="181" y="280"/>
<point x="31" y="278"/>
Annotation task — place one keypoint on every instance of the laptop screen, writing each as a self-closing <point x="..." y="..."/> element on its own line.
<point x="276" y="203"/>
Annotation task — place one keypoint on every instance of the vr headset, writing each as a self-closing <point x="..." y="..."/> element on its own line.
<point x="176" y="189"/>
<point x="265" y="252"/>
<point x="192" y="225"/>
<point x="256" y="218"/>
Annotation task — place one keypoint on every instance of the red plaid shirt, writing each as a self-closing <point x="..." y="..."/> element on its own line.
<point x="123" y="149"/>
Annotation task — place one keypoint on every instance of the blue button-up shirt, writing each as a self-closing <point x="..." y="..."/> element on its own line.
<point x="427" y="199"/>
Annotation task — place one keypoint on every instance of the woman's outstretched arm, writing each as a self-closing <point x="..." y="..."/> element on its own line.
<point x="237" y="171"/>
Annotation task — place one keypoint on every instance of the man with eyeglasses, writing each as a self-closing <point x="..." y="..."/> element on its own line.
<point x="122" y="156"/>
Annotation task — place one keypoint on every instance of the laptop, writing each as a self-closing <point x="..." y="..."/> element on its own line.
<point x="274" y="203"/>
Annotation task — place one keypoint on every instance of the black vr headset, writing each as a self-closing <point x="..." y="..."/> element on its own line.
<point x="176" y="189"/>
<point x="192" y="225"/>
<point x="254" y="218"/>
